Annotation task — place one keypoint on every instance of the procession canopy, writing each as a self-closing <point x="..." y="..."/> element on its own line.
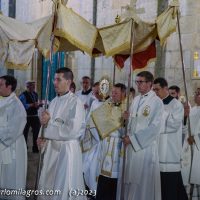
<point x="75" y="32"/>
<point x="44" y="26"/>
<point x="166" y="22"/>
<point x="18" y="40"/>
<point x="117" y="38"/>
<point x="72" y="32"/>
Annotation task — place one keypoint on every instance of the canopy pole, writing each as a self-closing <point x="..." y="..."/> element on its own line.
<point x="127" y="108"/>
<point x="35" y="67"/>
<point x="186" y="95"/>
<point x="41" y="152"/>
<point x="114" y="73"/>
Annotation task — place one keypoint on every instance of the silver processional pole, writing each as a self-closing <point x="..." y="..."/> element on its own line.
<point x="41" y="152"/>
<point x="186" y="95"/>
<point x="127" y="108"/>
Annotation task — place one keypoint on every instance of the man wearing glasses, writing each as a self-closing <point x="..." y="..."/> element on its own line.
<point x="142" y="174"/>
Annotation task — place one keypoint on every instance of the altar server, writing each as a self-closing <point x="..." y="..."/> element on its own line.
<point x="13" y="150"/>
<point x="170" y="143"/>
<point x="63" y="123"/>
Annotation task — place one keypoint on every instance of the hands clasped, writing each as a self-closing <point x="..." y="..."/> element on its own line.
<point x="126" y="140"/>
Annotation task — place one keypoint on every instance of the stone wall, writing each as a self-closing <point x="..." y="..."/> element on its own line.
<point x="190" y="37"/>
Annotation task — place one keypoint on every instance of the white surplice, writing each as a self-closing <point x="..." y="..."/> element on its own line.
<point x="91" y="156"/>
<point x="86" y="99"/>
<point x="195" y="131"/>
<point x="170" y="143"/>
<point x="62" y="166"/>
<point x="186" y="155"/>
<point x="142" y="173"/>
<point x="13" y="150"/>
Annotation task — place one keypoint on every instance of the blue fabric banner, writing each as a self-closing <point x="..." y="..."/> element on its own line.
<point x="58" y="62"/>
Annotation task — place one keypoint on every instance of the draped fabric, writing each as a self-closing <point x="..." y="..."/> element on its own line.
<point x="117" y="38"/>
<point x="72" y="32"/>
<point x="166" y="22"/>
<point x="140" y="60"/>
<point x="18" y="40"/>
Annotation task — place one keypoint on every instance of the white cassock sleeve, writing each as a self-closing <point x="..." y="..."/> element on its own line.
<point x="144" y="137"/>
<point x="195" y="125"/>
<point x="197" y="141"/>
<point x="70" y="128"/>
<point x="195" y="128"/>
<point x="174" y="119"/>
<point x="15" y="117"/>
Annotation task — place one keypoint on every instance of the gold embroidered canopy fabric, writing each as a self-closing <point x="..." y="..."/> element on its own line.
<point x="18" y="39"/>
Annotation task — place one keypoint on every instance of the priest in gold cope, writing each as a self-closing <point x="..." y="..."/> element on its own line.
<point x="107" y="119"/>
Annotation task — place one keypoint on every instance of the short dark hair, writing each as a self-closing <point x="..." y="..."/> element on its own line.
<point x="10" y="80"/>
<point x="132" y="89"/>
<point x="86" y="77"/>
<point x="73" y="85"/>
<point x="96" y="84"/>
<point x="163" y="83"/>
<point x="147" y="75"/>
<point x="175" y="87"/>
<point x="68" y="74"/>
<point x="121" y="86"/>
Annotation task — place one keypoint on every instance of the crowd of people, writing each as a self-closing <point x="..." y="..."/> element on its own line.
<point x="94" y="148"/>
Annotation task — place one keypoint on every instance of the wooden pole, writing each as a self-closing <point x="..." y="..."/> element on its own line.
<point x="41" y="152"/>
<point x="186" y="95"/>
<point x="114" y="73"/>
<point x="127" y="108"/>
